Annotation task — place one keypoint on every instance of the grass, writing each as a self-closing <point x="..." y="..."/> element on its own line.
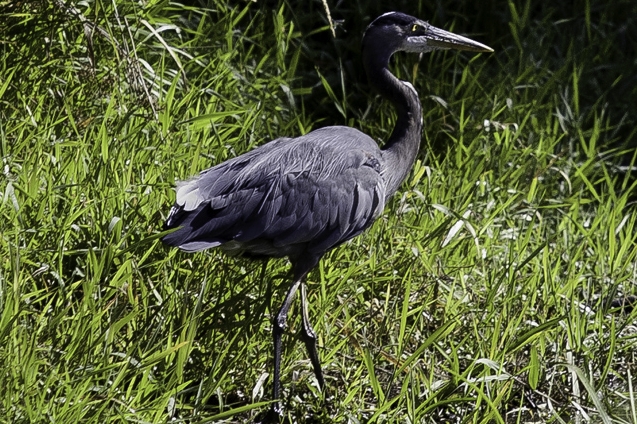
<point x="483" y="293"/>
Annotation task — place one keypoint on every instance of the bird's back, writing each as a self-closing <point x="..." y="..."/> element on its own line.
<point x="289" y="197"/>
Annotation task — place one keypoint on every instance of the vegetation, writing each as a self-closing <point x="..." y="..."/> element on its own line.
<point x="495" y="288"/>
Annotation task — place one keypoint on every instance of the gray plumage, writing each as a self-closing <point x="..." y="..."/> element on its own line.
<point x="299" y="197"/>
<point x="289" y="197"/>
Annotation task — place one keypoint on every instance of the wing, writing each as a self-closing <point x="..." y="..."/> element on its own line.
<point x="286" y="198"/>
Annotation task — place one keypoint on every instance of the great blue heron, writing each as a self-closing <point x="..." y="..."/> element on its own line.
<point x="300" y="197"/>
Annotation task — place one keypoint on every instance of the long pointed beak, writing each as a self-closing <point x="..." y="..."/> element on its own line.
<point x="442" y="39"/>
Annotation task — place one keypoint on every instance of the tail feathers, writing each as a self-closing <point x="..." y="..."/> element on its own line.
<point x="188" y="236"/>
<point x="191" y="246"/>
<point x="175" y="215"/>
<point x="183" y="238"/>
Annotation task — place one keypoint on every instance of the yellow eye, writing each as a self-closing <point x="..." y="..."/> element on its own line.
<point x="415" y="27"/>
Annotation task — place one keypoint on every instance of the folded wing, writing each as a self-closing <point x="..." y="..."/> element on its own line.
<point x="287" y="198"/>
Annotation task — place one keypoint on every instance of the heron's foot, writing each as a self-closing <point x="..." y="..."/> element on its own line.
<point x="624" y="304"/>
<point x="274" y="415"/>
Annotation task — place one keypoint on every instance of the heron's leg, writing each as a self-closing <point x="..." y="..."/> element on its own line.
<point x="309" y="337"/>
<point x="300" y="268"/>
<point x="268" y="287"/>
<point x="278" y="327"/>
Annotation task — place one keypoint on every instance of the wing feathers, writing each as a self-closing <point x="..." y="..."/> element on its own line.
<point x="309" y="193"/>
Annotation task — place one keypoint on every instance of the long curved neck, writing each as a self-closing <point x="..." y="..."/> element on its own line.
<point x="399" y="152"/>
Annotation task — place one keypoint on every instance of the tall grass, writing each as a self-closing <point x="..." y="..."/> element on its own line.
<point x="483" y="294"/>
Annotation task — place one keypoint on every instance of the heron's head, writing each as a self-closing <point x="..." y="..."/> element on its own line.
<point x="395" y="31"/>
